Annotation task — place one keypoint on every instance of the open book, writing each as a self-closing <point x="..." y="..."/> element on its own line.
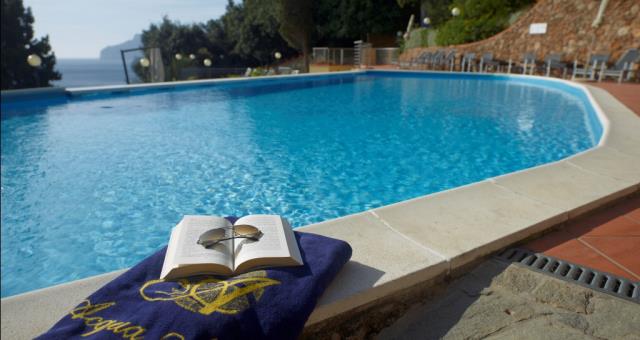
<point x="276" y="246"/>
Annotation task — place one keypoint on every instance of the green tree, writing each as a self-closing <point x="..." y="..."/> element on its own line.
<point x="340" y="22"/>
<point x="296" y="25"/>
<point x="253" y="29"/>
<point x="479" y="19"/>
<point x="437" y="10"/>
<point x="17" y="44"/>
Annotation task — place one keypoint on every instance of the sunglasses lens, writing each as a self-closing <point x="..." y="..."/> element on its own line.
<point x="211" y="236"/>
<point x="245" y="230"/>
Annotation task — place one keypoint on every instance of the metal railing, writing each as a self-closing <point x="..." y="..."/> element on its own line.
<point x="333" y="56"/>
<point x="363" y="54"/>
<point x="387" y="55"/>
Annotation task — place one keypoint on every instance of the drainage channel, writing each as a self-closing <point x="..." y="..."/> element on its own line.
<point x="570" y="272"/>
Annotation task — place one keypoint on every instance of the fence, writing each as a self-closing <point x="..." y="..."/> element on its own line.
<point x="189" y="73"/>
<point x="333" y="56"/>
<point x="386" y="56"/>
<point x="363" y="54"/>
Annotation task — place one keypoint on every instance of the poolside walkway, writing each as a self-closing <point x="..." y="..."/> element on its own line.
<point x="607" y="240"/>
<point x="628" y="94"/>
<point x="501" y="301"/>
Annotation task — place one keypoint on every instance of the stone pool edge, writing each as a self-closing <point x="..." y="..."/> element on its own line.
<point x="420" y="240"/>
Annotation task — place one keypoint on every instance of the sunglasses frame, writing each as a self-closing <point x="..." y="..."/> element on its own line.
<point x="208" y="244"/>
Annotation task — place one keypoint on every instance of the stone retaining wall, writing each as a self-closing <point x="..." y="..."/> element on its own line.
<point x="569" y="31"/>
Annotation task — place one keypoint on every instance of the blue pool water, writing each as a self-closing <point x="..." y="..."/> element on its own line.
<point x="94" y="183"/>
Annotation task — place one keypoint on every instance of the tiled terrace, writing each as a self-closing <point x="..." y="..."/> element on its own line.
<point x="609" y="239"/>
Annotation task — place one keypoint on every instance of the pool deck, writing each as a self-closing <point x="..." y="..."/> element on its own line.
<point x="420" y="242"/>
<point x="608" y="239"/>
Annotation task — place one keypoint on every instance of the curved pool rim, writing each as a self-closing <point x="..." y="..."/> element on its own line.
<point x="89" y="93"/>
<point x="619" y="142"/>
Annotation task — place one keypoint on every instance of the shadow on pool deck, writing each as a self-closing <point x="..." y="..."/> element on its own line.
<point x="497" y="300"/>
<point x="607" y="240"/>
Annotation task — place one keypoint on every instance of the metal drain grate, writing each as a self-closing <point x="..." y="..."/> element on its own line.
<point x="584" y="276"/>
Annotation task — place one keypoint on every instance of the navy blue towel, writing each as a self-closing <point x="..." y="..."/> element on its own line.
<point x="262" y="304"/>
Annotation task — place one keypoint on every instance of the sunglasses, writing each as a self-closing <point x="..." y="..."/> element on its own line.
<point x="214" y="236"/>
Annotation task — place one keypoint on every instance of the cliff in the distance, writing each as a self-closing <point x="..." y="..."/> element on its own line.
<point x="113" y="52"/>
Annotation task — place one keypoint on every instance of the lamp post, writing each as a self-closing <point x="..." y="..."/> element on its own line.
<point x="144" y="62"/>
<point x="278" y="56"/>
<point x="35" y="61"/>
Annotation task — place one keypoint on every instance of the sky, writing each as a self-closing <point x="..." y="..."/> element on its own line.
<point x="81" y="28"/>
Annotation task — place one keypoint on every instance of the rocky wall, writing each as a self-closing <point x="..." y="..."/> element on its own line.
<point x="569" y="31"/>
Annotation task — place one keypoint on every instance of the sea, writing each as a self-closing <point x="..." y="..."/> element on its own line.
<point x="91" y="72"/>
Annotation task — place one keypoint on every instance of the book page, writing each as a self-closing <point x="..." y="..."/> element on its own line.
<point x="189" y="252"/>
<point x="274" y="242"/>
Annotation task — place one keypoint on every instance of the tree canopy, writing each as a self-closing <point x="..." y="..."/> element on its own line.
<point x="251" y="31"/>
<point x="479" y="19"/>
<point x="296" y="25"/>
<point x="17" y="44"/>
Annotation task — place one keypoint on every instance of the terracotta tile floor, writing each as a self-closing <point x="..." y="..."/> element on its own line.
<point x="609" y="239"/>
<point x="628" y="93"/>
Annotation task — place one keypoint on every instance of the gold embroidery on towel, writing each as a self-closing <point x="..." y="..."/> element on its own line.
<point x="212" y="295"/>
<point x="85" y="312"/>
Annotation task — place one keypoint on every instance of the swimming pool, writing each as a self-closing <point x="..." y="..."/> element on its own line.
<point x="94" y="182"/>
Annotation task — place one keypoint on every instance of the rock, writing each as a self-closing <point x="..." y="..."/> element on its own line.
<point x="561" y="295"/>
<point x="614" y="318"/>
<point x="539" y="329"/>
<point x="517" y="280"/>
<point x="624" y="30"/>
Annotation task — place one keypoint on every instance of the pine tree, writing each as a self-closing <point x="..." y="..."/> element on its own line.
<point x="17" y="44"/>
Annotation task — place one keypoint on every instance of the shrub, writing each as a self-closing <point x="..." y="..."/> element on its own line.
<point x="479" y="19"/>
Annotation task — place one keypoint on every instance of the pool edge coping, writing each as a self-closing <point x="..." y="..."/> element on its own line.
<point x="28" y="303"/>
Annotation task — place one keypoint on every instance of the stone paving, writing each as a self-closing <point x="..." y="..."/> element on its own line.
<point x="501" y="301"/>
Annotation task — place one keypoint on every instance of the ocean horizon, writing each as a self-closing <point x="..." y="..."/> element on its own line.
<point x="78" y="72"/>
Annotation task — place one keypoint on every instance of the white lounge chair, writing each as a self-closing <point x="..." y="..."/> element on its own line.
<point x="595" y="62"/>
<point x="624" y="64"/>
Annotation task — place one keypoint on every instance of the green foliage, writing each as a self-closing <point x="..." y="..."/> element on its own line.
<point x="340" y="22"/>
<point x="251" y="31"/>
<point x="437" y="10"/>
<point x="479" y="19"/>
<point x="419" y="38"/>
<point x="246" y="35"/>
<point x="296" y="25"/>
<point x="17" y="44"/>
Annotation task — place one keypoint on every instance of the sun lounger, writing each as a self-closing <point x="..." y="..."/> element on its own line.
<point x="595" y="62"/>
<point x="435" y="59"/>
<point x="420" y="60"/>
<point x="487" y="61"/>
<point x="528" y="63"/>
<point x="468" y="62"/>
<point x="449" y="60"/>
<point x="624" y="64"/>
<point x="553" y="61"/>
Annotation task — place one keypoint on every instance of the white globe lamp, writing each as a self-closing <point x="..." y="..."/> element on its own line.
<point x="34" y="60"/>
<point x="207" y="62"/>
<point x="144" y="62"/>
<point x="455" y="11"/>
